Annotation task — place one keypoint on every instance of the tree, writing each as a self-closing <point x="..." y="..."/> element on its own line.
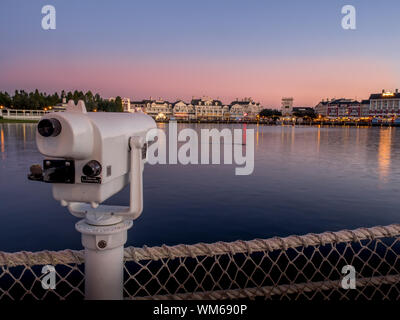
<point x="118" y="104"/>
<point x="270" y="113"/>
<point x="37" y="100"/>
<point x="305" y="113"/>
<point x="5" y="100"/>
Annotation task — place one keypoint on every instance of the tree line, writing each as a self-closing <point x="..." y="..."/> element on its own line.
<point x="270" y="113"/>
<point x="36" y="100"/>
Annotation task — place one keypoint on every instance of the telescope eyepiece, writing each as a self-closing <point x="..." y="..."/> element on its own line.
<point x="49" y="127"/>
<point x="92" y="169"/>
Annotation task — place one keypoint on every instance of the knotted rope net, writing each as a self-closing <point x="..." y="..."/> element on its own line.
<point x="305" y="267"/>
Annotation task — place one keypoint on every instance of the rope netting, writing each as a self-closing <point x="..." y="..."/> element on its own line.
<point x="292" y="268"/>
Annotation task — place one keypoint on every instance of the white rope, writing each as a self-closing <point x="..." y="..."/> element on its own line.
<point x="252" y="293"/>
<point x="204" y="249"/>
<point x="215" y="271"/>
<point x="219" y="248"/>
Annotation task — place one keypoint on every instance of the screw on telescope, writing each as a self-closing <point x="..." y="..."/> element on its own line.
<point x="36" y="172"/>
<point x="102" y="244"/>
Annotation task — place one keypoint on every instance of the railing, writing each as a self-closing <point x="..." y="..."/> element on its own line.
<point x="17" y="114"/>
<point x="305" y="267"/>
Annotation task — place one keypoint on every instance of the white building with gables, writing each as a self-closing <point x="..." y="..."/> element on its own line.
<point x="245" y="108"/>
<point x="204" y="108"/>
<point x="156" y="108"/>
<point x="207" y="108"/>
<point x="182" y="110"/>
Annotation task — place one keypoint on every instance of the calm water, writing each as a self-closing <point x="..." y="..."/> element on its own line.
<point x="306" y="179"/>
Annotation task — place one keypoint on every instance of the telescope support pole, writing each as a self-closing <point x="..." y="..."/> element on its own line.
<point x="104" y="253"/>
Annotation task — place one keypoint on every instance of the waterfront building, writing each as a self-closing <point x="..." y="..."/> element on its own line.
<point x="365" y="108"/>
<point x="343" y="108"/>
<point x="321" y="108"/>
<point x="385" y="104"/>
<point x="339" y="109"/>
<point x="207" y="108"/>
<point x="61" y="106"/>
<point x="245" y="108"/>
<point x="287" y="106"/>
<point x="138" y="106"/>
<point x="182" y="110"/>
<point x="155" y="108"/>
<point x="204" y="108"/>
<point x="126" y="105"/>
<point x="379" y="105"/>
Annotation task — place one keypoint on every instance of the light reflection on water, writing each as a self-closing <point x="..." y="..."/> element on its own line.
<point x="2" y="142"/>
<point x="384" y="154"/>
<point x="306" y="179"/>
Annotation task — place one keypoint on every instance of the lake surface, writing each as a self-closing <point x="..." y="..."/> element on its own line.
<point x="306" y="179"/>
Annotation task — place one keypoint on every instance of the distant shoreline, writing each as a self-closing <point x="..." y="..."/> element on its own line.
<point x="17" y="121"/>
<point x="308" y="124"/>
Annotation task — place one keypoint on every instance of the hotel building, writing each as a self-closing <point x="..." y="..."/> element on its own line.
<point x="199" y="108"/>
<point x="379" y="105"/>
<point x="287" y="107"/>
<point x="365" y="108"/>
<point x="385" y="104"/>
<point x="245" y="108"/>
<point x="126" y="105"/>
<point x="155" y="108"/>
<point x="207" y="108"/>
<point x="343" y="108"/>
<point x="182" y="110"/>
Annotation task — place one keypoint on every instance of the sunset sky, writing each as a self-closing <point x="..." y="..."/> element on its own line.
<point x="222" y="48"/>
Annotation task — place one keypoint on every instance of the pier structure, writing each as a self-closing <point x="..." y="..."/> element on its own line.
<point x="305" y="267"/>
<point x="23" y="114"/>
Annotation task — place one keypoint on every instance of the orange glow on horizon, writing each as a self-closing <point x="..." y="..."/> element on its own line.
<point x="308" y="80"/>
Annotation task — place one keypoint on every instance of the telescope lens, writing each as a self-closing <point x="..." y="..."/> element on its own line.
<point x="92" y="169"/>
<point x="49" y="127"/>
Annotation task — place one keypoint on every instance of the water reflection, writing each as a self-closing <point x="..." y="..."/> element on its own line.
<point x="2" y="147"/>
<point x="257" y="133"/>
<point x="24" y="133"/>
<point x="306" y="179"/>
<point x="384" y="153"/>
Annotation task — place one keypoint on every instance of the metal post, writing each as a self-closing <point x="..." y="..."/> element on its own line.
<point x="104" y="253"/>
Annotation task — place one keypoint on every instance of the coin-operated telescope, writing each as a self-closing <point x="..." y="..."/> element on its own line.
<point x="91" y="156"/>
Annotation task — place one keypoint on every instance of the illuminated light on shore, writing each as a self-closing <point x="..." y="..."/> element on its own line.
<point x="161" y="116"/>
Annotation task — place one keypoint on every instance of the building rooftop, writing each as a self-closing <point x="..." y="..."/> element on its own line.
<point x="344" y="101"/>
<point x="201" y="101"/>
<point x="385" y="95"/>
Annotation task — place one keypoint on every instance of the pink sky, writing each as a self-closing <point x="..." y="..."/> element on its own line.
<point x="267" y="81"/>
